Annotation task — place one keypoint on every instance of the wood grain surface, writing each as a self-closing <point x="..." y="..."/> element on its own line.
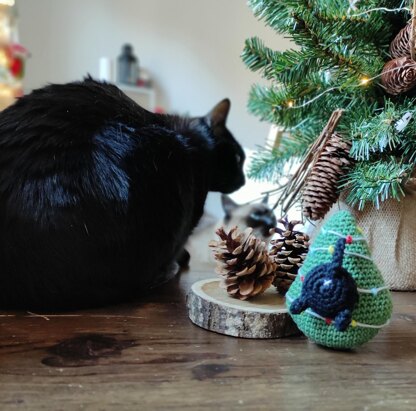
<point x="147" y="355"/>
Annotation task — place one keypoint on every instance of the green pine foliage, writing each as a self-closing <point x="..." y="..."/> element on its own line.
<point x="269" y="162"/>
<point x="337" y="56"/>
<point x="383" y="179"/>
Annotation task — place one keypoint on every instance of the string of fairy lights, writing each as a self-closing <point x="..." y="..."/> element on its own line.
<point x="364" y="80"/>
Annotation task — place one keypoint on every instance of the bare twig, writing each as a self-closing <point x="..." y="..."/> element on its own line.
<point x="38" y="315"/>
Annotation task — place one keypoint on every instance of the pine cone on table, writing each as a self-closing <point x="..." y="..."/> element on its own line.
<point x="321" y="187"/>
<point x="289" y="251"/>
<point x="399" y="75"/>
<point x="243" y="262"/>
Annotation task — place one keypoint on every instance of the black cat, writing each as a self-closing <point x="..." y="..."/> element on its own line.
<point x="98" y="195"/>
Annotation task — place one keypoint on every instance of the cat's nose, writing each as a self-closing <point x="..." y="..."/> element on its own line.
<point x="267" y="227"/>
<point x="234" y="185"/>
<point x="270" y="222"/>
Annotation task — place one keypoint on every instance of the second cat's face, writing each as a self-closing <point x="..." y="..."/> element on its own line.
<point x="258" y="216"/>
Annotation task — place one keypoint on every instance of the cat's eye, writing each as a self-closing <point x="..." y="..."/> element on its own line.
<point x="238" y="158"/>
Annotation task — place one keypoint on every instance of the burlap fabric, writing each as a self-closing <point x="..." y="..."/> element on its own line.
<point x="391" y="235"/>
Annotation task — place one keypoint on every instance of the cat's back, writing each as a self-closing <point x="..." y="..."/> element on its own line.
<point x="81" y="145"/>
<point x="69" y="113"/>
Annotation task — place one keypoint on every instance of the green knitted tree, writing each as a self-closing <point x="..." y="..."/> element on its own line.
<point x="370" y="311"/>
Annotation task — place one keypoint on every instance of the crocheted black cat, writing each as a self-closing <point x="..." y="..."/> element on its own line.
<point x="329" y="290"/>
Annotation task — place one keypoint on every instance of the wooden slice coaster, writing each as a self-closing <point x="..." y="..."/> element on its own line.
<point x="265" y="316"/>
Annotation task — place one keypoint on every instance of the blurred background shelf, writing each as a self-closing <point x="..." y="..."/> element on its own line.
<point x="139" y="93"/>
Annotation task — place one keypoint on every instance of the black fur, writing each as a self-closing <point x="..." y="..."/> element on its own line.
<point x="98" y="196"/>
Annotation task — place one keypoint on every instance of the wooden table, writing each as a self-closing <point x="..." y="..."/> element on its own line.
<point x="147" y="355"/>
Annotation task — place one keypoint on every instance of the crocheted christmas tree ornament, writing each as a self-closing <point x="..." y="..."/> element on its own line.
<point x="339" y="298"/>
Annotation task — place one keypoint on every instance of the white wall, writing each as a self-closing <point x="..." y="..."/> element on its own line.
<point x="191" y="47"/>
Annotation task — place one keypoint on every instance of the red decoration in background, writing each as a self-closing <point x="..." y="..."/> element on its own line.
<point x="15" y="55"/>
<point x="16" y="67"/>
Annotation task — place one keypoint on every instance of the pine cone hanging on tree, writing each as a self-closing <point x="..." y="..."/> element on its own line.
<point x="289" y="250"/>
<point x="321" y="187"/>
<point x="243" y="262"/>
<point x="399" y="75"/>
<point x="400" y="46"/>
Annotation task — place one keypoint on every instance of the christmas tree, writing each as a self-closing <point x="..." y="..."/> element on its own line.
<point x="353" y="64"/>
<point x="369" y="307"/>
<point x="12" y="56"/>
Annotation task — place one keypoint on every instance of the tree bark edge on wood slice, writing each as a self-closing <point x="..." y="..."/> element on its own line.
<point x="265" y="316"/>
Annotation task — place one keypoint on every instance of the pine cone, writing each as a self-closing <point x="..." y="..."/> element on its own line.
<point x="400" y="46"/>
<point x="243" y="262"/>
<point x="321" y="187"/>
<point x="399" y="75"/>
<point x="289" y="251"/>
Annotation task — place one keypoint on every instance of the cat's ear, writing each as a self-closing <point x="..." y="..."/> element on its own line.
<point x="218" y="115"/>
<point x="228" y="205"/>
<point x="265" y="199"/>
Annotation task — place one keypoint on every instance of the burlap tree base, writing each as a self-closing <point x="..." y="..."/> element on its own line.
<point x="391" y="235"/>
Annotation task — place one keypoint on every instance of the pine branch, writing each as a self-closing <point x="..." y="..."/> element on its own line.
<point x="340" y="57"/>
<point x="338" y="41"/>
<point x="375" y="134"/>
<point x="408" y="149"/>
<point x="268" y="163"/>
<point x="369" y="28"/>
<point x="275" y="13"/>
<point x="377" y="181"/>
<point x="386" y="132"/>
<point x="279" y="105"/>
<point x="287" y="67"/>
